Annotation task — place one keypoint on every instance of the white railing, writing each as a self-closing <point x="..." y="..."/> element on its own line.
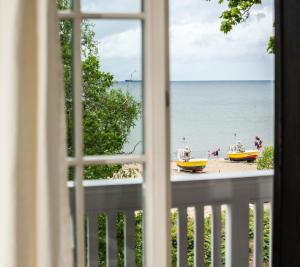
<point x="236" y="191"/>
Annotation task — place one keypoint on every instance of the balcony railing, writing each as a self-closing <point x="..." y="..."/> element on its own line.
<point x="235" y="191"/>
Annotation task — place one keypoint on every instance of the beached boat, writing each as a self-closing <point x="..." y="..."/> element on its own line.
<point x="247" y="155"/>
<point x="185" y="162"/>
<point x="193" y="165"/>
<point x="238" y="153"/>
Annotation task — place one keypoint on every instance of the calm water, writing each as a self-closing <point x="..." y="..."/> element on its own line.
<point x="208" y="113"/>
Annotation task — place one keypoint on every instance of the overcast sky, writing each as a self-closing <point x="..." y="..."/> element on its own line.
<point x="198" y="50"/>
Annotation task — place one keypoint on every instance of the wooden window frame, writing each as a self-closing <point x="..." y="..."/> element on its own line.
<point x="286" y="218"/>
<point x="156" y="185"/>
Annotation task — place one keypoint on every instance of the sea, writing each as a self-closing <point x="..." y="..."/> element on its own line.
<point x="211" y="115"/>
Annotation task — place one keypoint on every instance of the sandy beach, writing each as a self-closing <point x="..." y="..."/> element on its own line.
<point x="219" y="166"/>
<point x="213" y="166"/>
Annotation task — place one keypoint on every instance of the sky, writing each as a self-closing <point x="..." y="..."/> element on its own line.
<point x="198" y="50"/>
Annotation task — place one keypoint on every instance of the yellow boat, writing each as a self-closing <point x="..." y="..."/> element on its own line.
<point x="193" y="165"/>
<point x="247" y="155"/>
<point x="185" y="162"/>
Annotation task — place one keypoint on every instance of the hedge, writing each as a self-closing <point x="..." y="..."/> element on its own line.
<point x="190" y="238"/>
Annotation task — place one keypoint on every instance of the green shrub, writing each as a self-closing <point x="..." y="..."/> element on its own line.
<point x="266" y="234"/>
<point x="120" y="239"/>
<point x="266" y="160"/>
<point x="139" y="238"/>
<point x="190" y="238"/>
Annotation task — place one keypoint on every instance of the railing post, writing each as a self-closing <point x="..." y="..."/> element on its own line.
<point x="157" y="197"/>
<point x="129" y="238"/>
<point x="216" y="236"/>
<point x="182" y="237"/>
<point x="237" y="231"/>
<point x="111" y="240"/>
<point x="93" y="240"/>
<point x="199" y="236"/>
<point x="271" y="234"/>
<point x="258" y="256"/>
<point x="236" y="193"/>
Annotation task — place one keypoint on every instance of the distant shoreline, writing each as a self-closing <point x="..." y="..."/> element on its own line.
<point x="213" y="166"/>
<point x="187" y="81"/>
<point x="220" y="166"/>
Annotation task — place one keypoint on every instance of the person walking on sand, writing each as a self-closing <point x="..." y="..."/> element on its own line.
<point x="240" y="147"/>
<point x="258" y="143"/>
<point x="216" y="153"/>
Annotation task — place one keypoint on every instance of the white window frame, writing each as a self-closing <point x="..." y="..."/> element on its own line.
<point x="156" y="185"/>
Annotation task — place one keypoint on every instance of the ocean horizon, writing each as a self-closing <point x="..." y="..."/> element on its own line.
<point x="138" y="81"/>
<point x="208" y="114"/>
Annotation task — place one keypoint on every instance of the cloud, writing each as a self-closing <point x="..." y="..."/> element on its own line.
<point x="260" y="16"/>
<point x="199" y="51"/>
<point x="113" y="6"/>
<point x="123" y="45"/>
<point x="121" y="53"/>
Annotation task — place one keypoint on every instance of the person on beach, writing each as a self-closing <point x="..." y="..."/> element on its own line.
<point x="258" y="143"/>
<point x="240" y="147"/>
<point x="216" y="153"/>
<point x="187" y="153"/>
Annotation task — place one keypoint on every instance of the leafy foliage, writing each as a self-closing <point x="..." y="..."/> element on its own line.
<point x="266" y="243"/>
<point x="64" y="4"/>
<point x="266" y="160"/>
<point x="239" y="11"/>
<point x="190" y="238"/>
<point x="271" y="45"/>
<point x="108" y="113"/>
<point x="120" y="239"/>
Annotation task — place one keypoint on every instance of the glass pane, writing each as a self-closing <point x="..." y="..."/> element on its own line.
<point x="111" y="6"/>
<point x="72" y="204"/>
<point x="112" y="124"/>
<point x="114" y="219"/>
<point x="222" y="88"/>
<point x="66" y="37"/>
<point x="64" y="4"/>
<point x="114" y="171"/>
<point x="113" y="88"/>
<point x="222" y="130"/>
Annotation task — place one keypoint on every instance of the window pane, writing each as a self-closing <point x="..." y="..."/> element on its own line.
<point x="112" y="124"/>
<point x="113" y="171"/>
<point x="64" y="4"/>
<point x="112" y="85"/>
<point x="114" y="219"/>
<point x="111" y="6"/>
<point x="222" y="88"/>
<point x="66" y="37"/>
<point x="222" y="130"/>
